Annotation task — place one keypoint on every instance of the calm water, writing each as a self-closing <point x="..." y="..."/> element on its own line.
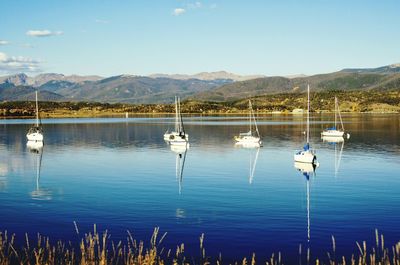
<point x="121" y="175"/>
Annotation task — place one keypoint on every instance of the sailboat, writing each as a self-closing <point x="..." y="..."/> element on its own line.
<point x="307" y="155"/>
<point x="178" y="136"/>
<point x="335" y="131"/>
<point x="35" y="133"/>
<point x="250" y="138"/>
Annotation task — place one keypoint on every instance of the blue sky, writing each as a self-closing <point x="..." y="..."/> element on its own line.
<point x="178" y="36"/>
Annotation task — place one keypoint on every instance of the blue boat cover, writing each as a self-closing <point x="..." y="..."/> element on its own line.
<point x="306" y="147"/>
<point x="331" y="129"/>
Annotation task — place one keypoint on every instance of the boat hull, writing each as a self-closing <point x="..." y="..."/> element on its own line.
<point x="248" y="140"/>
<point x="305" y="157"/>
<point x="36" y="136"/>
<point x="332" y="133"/>
<point x="174" y="136"/>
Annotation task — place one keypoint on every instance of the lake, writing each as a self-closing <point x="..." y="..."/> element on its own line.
<point x="121" y="175"/>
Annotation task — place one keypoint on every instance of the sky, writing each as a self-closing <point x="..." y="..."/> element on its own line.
<point x="106" y="38"/>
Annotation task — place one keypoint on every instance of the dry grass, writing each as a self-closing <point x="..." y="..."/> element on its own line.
<point x="96" y="249"/>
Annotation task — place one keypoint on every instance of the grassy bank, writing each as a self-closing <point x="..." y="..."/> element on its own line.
<point x="350" y="101"/>
<point x="98" y="249"/>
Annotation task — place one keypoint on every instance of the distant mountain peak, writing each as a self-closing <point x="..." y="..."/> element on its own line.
<point x="209" y="76"/>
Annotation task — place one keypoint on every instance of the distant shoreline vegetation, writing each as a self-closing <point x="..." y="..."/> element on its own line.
<point x="285" y="103"/>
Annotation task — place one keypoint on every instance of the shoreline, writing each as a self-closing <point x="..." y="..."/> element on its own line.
<point x="164" y="114"/>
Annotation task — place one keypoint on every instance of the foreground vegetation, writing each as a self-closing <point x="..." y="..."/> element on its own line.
<point x="97" y="249"/>
<point x="350" y="101"/>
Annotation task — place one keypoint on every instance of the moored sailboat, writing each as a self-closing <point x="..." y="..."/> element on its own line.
<point x="178" y="136"/>
<point x="250" y="137"/>
<point x="35" y="133"/>
<point x="335" y="131"/>
<point x="307" y="155"/>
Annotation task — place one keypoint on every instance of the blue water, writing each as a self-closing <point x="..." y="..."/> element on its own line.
<point x="121" y="175"/>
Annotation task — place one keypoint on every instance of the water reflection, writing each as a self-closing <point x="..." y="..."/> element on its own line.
<point x="335" y="141"/>
<point x="254" y="150"/>
<point x="180" y="151"/>
<point x="36" y="149"/>
<point x="307" y="171"/>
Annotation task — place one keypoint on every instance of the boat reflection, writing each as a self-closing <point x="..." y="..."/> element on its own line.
<point x="335" y="141"/>
<point x="39" y="193"/>
<point x="180" y="151"/>
<point x="332" y="139"/>
<point x="35" y="146"/>
<point x="307" y="171"/>
<point x="253" y="157"/>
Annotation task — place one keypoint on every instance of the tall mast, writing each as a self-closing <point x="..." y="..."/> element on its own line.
<point x="336" y="107"/>
<point x="308" y="113"/>
<point x="250" y="109"/>
<point x="37" y="109"/>
<point x="181" y="129"/>
<point x="176" y="115"/>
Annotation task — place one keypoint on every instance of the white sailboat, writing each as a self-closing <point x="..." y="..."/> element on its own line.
<point x="335" y="131"/>
<point x="178" y="136"/>
<point x="250" y="138"/>
<point x="307" y="155"/>
<point x="35" y="133"/>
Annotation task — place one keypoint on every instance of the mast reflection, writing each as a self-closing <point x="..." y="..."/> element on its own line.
<point x="180" y="151"/>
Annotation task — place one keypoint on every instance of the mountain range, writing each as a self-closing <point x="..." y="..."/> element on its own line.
<point x="215" y="86"/>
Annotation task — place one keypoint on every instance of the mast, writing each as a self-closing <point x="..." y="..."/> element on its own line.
<point x="176" y="116"/>
<point x="250" y="110"/>
<point x="340" y="117"/>
<point x="308" y="113"/>
<point x="181" y="129"/>
<point x="255" y="122"/>
<point x="37" y="109"/>
<point x="336" y="107"/>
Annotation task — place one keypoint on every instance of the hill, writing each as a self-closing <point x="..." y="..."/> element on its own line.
<point x="216" y="86"/>
<point x="343" y="80"/>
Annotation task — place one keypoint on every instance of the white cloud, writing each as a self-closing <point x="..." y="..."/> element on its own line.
<point x="3" y="56"/>
<point x="15" y="64"/>
<point x="43" y="33"/>
<point x="178" y="11"/>
<point x="3" y="42"/>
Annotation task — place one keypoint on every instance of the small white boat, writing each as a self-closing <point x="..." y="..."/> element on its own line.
<point x="307" y="155"/>
<point x="178" y="136"/>
<point x="335" y="131"/>
<point x="249" y="138"/>
<point x="35" y="133"/>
